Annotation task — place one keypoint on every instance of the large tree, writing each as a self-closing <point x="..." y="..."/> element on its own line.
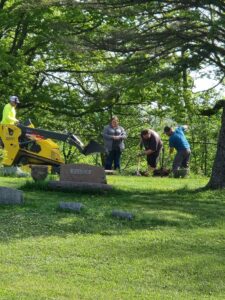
<point x="217" y="179"/>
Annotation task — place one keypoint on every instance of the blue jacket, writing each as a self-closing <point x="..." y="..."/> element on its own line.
<point x="178" y="140"/>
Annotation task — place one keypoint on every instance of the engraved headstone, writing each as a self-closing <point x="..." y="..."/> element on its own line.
<point x="82" y="177"/>
<point x="82" y="173"/>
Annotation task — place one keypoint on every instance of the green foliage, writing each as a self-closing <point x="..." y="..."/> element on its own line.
<point x="74" y="64"/>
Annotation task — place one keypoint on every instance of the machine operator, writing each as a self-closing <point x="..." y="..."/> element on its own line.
<point x="9" y="111"/>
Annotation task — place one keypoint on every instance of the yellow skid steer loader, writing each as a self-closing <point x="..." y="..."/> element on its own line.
<point x="24" y="145"/>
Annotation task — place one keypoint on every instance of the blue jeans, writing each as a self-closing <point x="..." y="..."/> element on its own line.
<point x="113" y="157"/>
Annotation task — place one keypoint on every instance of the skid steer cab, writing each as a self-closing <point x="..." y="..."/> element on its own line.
<point x="24" y="145"/>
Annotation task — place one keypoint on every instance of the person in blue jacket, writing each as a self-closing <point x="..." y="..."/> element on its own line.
<point x="178" y="141"/>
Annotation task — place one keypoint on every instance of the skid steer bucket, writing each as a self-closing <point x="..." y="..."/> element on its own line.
<point x="93" y="147"/>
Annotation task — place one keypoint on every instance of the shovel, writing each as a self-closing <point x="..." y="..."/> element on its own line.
<point x="137" y="173"/>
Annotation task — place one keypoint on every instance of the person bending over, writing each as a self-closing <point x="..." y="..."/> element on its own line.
<point x="153" y="146"/>
<point x="178" y="141"/>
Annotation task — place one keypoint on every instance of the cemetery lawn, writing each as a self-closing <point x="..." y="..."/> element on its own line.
<point x="174" y="248"/>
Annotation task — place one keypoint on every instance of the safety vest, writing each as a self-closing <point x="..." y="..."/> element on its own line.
<point x="9" y="115"/>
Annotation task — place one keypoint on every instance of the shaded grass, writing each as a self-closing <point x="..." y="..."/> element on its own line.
<point x="173" y="249"/>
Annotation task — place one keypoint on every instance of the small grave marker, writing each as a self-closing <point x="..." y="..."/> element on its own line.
<point x="122" y="214"/>
<point x="71" y="206"/>
<point x="10" y="196"/>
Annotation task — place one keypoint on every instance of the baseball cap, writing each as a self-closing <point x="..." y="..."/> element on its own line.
<point x="14" y="99"/>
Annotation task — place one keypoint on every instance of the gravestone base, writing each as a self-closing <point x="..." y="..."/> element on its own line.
<point x="82" y="186"/>
<point x="81" y="177"/>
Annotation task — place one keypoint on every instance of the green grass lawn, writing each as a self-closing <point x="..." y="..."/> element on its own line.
<point x="173" y="249"/>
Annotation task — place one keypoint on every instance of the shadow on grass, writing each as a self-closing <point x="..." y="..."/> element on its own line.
<point x="153" y="209"/>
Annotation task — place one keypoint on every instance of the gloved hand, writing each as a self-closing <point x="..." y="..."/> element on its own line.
<point x="17" y="122"/>
<point x="116" y="138"/>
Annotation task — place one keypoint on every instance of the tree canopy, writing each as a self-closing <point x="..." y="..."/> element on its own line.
<point x="76" y="62"/>
<point x="76" y="57"/>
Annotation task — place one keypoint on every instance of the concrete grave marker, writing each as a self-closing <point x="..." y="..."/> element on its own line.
<point x="81" y="177"/>
<point x="122" y="214"/>
<point x="82" y="173"/>
<point x="71" y="206"/>
<point x="10" y="196"/>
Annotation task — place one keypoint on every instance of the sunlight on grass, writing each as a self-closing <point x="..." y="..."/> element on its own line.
<point x="168" y="215"/>
<point x="172" y="249"/>
<point x="67" y="220"/>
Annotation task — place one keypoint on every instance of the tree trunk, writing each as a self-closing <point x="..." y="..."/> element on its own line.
<point x="217" y="180"/>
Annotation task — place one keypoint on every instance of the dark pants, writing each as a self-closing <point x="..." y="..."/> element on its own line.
<point x="181" y="159"/>
<point x="113" y="156"/>
<point x="152" y="159"/>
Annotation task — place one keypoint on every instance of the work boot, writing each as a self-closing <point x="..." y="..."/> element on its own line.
<point x="176" y="174"/>
<point x="144" y="173"/>
<point x="184" y="172"/>
<point x="181" y="173"/>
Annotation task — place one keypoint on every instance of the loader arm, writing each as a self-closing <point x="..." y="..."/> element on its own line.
<point x="24" y="145"/>
<point x="92" y="147"/>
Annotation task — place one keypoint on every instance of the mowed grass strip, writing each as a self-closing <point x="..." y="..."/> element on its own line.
<point x="174" y="248"/>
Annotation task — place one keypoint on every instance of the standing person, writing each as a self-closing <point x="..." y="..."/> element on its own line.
<point x="178" y="141"/>
<point x="114" y="136"/>
<point x="9" y="111"/>
<point x="153" y="146"/>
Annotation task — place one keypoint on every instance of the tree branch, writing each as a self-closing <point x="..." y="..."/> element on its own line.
<point x="2" y="3"/>
<point x="212" y="111"/>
